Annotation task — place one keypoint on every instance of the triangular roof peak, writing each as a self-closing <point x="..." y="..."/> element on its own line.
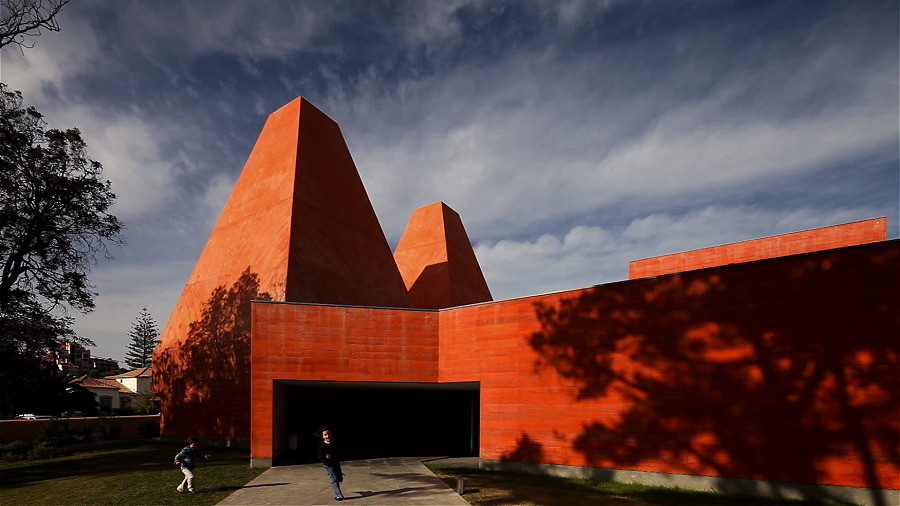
<point x="436" y="260"/>
<point x="297" y="106"/>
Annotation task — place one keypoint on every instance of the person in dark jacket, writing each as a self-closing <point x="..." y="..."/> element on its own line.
<point x="328" y="454"/>
<point x="187" y="459"/>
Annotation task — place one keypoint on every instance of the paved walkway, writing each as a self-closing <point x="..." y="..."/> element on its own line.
<point x="378" y="481"/>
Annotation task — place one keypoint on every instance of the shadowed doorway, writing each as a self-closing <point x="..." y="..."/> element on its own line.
<point x="375" y="419"/>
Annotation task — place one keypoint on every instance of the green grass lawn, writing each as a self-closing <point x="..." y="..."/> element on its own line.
<point x="124" y="472"/>
<point x="509" y="488"/>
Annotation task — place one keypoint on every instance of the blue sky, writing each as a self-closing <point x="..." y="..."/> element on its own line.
<point x="571" y="136"/>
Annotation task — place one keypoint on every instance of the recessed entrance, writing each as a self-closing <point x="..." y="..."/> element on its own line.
<point x="375" y="419"/>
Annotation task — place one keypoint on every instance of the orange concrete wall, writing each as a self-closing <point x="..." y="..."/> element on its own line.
<point x="310" y="342"/>
<point x="780" y="370"/>
<point x="838" y="236"/>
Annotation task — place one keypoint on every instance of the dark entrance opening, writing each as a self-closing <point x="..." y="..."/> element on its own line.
<point x="375" y="419"/>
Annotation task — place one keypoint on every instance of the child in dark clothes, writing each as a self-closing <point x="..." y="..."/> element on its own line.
<point x="328" y="454"/>
<point x="187" y="459"/>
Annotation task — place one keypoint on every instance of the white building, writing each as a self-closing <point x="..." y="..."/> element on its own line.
<point x="138" y="380"/>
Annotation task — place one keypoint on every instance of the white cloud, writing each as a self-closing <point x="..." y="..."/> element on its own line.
<point x="533" y="137"/>
<point x="128" y="146"/>
<point x="54" y="60"/>
<point x="240" y="28"/>
<point x="127" y="142"/>
<point x="689" y="151"/>
<point x="431" y="23"/>
<point x="572" y="12"/>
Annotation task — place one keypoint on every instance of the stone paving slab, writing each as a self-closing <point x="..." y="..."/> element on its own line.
<point x="377" y="481"/>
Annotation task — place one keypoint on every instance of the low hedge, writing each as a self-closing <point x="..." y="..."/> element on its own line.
<point x="57" y="437"/>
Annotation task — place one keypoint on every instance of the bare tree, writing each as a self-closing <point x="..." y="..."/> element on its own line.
<point x="20" y="19"/>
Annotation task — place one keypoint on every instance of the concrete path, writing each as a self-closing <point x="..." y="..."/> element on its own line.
<point x="378" y="481"/>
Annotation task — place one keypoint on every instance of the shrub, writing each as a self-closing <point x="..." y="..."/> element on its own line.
<point x="104" y="428"/>
<point x="57" y="433"/>
<point x="11" y="457"/>
<point x="15" y="451"/>
<point x="41" y="451"/>
<point x="60" y="433"/>
<point x="65" y="440"/>
<point x="16" y="447"/>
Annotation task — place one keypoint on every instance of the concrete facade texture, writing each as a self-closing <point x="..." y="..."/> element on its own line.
<point x="777" y="360"/>
<point x="836" y="236"/>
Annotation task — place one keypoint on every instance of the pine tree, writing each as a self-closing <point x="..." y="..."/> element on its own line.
<point x="144" y="338"/>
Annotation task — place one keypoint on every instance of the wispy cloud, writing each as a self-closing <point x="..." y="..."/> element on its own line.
<point x="55" y="59"/>
<point x="128" y="146"/>
<point x="512" y="143"/>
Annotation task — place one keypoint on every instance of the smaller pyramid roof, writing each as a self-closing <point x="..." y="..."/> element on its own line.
<point x="436" y="260"/>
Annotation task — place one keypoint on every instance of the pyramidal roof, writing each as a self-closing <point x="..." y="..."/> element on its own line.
<point x="437" y="262"/>
<point x="298" y="226"/>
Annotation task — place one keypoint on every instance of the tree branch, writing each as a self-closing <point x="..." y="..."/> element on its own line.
<point x="25" y="18"/>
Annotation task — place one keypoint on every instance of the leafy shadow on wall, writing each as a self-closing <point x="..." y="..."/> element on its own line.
<point x="527" y="450"/>
<point x="764" y="370"/>
<point x="210" y="370"/>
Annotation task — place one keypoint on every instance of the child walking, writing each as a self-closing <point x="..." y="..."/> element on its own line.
<point x="187" y="459"/>
<point x="328" y="454"/>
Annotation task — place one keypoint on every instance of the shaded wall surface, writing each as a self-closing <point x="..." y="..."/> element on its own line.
<point x="807" y="241"/>
<point x="783" y="369"/>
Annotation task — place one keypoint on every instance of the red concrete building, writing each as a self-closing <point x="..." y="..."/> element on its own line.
<point x="767" y="366"/>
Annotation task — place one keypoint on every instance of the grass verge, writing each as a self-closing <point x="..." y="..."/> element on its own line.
<point x="509" y="488"/>
<point x="132" y="472"/>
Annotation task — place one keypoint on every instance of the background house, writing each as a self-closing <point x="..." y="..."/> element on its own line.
<point x="109" y="393"/>
<point x="138" y="380"/>
<point x="73" y="357"/>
